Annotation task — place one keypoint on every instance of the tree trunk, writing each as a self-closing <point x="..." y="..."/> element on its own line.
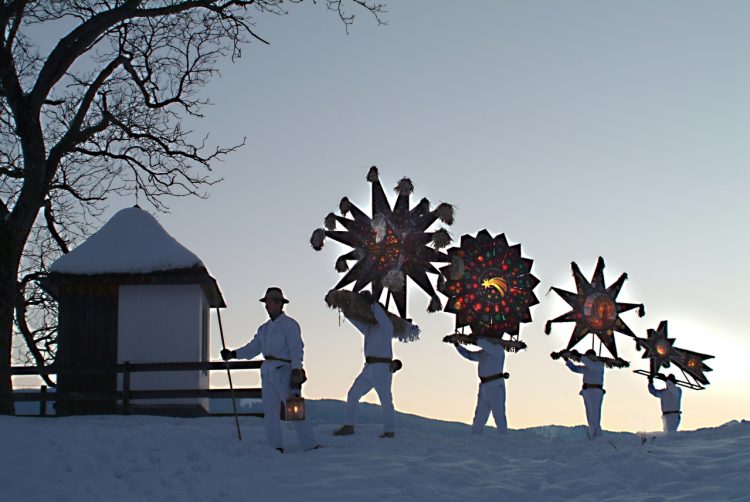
<point x="14" y="230"/>
<point x="8" y="291"/>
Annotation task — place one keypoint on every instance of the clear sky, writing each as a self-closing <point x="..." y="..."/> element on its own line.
<point x="577" y="128"/>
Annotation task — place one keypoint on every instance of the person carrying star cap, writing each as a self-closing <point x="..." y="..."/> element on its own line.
<point x="671" y="397"/>
<point x="491" y="394"/>
<point x="592" y="391"/>
<point x="378" y="370"/>
<point x="280" y="341"/>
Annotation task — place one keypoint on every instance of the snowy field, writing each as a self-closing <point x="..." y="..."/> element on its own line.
<point x="116" y="458"/>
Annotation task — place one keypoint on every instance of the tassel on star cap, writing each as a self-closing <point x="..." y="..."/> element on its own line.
<point x="372" y="174"/>
<point x="441" y="238"/>
<point x="446" y="213"/>
<point x="404" y="187"/>
<point x="330" y="221"/>
<point x="394" y="280"/>
<point x="345" y="206"/>
<point x="318" y="239"/>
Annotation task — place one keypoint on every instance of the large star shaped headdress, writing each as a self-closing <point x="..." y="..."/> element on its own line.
<point x="391" y="245"/>
<point x="489" y="285"/>
<point x="595" y="309"/>
<point x="660" y="349"/>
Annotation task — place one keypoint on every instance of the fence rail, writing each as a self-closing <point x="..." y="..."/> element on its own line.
<point x="126" y="395"/>
<point x="136" y="367"/>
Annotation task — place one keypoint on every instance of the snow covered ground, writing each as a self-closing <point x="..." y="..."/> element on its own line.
<point x="114" y="458"/>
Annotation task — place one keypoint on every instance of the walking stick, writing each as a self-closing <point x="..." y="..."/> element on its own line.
<point x="229" y="376"/>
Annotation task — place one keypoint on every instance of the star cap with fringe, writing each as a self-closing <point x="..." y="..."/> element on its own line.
<point x="274" y="293"/>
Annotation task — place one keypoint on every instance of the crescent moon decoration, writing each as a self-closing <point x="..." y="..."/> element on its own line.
<point x="595" y="310"/>
<point x="490" y="288"/>
<point x="660" y="349"/>
<point x="391" y="245"/>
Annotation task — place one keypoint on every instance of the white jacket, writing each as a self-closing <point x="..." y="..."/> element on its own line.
<point x="491" y="358"/>
<point x="670" y="396"/>
<point x="378" y="337"/>
<point x="592" y="371"/>
<point x="280" y="337"/>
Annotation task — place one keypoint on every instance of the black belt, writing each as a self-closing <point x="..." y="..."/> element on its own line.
<point x="672" y="413"/>
<point x="496" y="376"/>
<point x="593" y="386"/>
<point x="274" y="358"/>
<point x="373" y="359"/>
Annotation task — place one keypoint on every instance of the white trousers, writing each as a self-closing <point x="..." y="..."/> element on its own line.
<point x="671" y="422"/>
<point x="379" y="377"/>
<point x="275" y="392"/>
<point x="490" y="398"/>
<point x="592" y="400"/>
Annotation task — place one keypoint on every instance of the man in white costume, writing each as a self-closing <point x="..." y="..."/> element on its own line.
<point x="377" y="372"/>
<point x="491" y="395"/>
<point x="593" y="389"/>
<point x="670" y="396"/>
<point x="280" y="341"/>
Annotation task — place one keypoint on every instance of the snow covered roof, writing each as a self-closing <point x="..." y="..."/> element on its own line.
<point x="132" y="248"/>
<point x="132" y="242"/>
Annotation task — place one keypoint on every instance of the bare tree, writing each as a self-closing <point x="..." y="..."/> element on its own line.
<point x="101" y="114"/>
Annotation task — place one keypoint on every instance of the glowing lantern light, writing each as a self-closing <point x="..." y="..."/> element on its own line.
<point x="294" y="408"/>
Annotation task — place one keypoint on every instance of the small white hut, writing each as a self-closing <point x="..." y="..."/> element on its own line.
<point x="132" y="293"/>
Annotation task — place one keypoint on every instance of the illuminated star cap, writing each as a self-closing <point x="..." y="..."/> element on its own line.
<point x="692" y="363"/>
<point x="662" y="352"/>
<point x="389" y="246"/>
<point x="492" y="289"/>
<point x="659" y="348"/>
<point x="595" y="308"/>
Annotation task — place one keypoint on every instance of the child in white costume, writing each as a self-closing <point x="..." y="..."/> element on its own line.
<point x="593" y="389"/>
<point x="670" y="396"/>
<point x="491" y="395"/>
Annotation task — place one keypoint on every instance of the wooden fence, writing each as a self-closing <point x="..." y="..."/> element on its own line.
<point x="124" y="397"/>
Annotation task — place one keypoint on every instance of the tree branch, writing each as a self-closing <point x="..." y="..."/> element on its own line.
<point x="12" y="172"/>
<point x="72" y="191"/>
<point x="19" y="6"/>
<point x="82" y="37"/>
<point x="28" y="336"/>
<point x="50" y="219"/>
<point x="72" y="46"/>
<point x="74" y="135"/>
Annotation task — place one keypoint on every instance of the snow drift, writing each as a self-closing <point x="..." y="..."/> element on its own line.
<point x="130" y="458"/>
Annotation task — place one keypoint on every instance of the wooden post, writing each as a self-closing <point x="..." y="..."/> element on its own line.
<point x="126" y="388"/>
<point x="43" y="401"/>
<point x="229" y="376"/>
